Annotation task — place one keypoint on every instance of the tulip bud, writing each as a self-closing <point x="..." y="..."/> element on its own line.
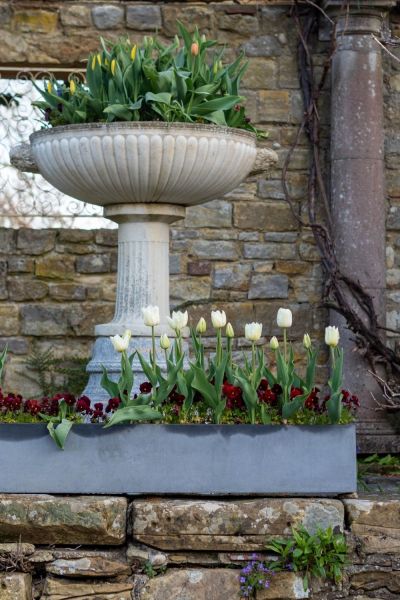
<point x="331" y="336"/>
<point x="113" y="65"/>
<point x="121" y="343"/>
<point x="151" y="316"/>
<point x="72" y="86"/>
<point x="215" y="68"/>
<point x="178" y="320"/>
<point x="218" y="319"/>
<point x="307" y="341"/>
<point x="273" y="343"/>
<point x="164" y="342"/>
<point x="93" y="61"/>
<point x="284" y="318"/>
<point x="49" y="87"/>
<point x="194" y="49"/>
<point x="177" y="41"/>
<point x="99" y="59"/>
<point x="133" y="52"/>
<point x="252" y="331"/>
<point x="229" y="331"/>
<point x="203" y="38"/>
<point x="201" y="326"/>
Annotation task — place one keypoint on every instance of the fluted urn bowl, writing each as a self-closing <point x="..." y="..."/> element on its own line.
<point x="144" y="162"/>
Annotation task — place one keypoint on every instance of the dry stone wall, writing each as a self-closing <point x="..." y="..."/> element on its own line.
<point x="117" y="548"/>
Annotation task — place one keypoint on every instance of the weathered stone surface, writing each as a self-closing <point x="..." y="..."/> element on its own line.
<point x="107" y="16"/>
<point x="38" y="319"/>
<point x="374" y="579"/>
<point x="262" y="73"/>
<point x="9" y="319"/>
<point x="192" y="584"/>
<point x="199" y="267"/>
<point x="270" y="216"/>
<point x="217" y="213"/>
<point x="63" y="589"/>
<point x="26" y="289"/>
<point x="76" y="236"/>
<point x="47" y="519"/>
<point x="266" y="45"/>
<point x="36" y="241"/>
<point x="15" y="586"/>
<point x="231" y="277"/>
<point x="77" y="15"/>
<point x="107" y="237"/>
<point x="227" y="525"/>
<point x="38" y="21"/>
<point x="268" y="286"/>
<point x="67" y="291"/>
<point x="7" y="240"/>
<point x="190" y="16"/>
<point x="215" y="250"/>
<point x="88" y="566"/>
<point x="20" y="264"/>
<point x="270" y="251"/>
<point x="242" y="24"/>
<point x="93" y="263"/>
<point x="273" y="106"/>
<point x="143" y="17"/>
<point x="190" y="289"/>
<point x="84" y="317"/>
<point x="17" y="548"/>
<point x="55" y="267"/>
<point x="285" y="586"/>
<point x="376" y="523"/>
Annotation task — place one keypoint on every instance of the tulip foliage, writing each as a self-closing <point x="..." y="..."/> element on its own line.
<point x="219" y="390"/>
<point x="186" y="81"/>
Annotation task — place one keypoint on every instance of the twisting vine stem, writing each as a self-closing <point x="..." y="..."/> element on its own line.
<point x="341" y="293"/>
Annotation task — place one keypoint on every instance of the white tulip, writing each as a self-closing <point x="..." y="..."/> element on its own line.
<point x="331" y="336"/>
<point x="218" y="319"/>
<point x="178" y="320"/>
<point x="151" y="315"/>
<point x="121" y="343"/>
<point x="273" y="343"/>
<point x="284" y="318"/>
<point x="164" y="341"/>
<point x="307" y="341"/>
<point x="252" y="331"/>
<point x="229" y="331"/>
<point x="201" y="326"/>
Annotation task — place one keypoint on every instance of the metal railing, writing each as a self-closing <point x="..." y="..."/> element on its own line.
<point x="26" y="199"/>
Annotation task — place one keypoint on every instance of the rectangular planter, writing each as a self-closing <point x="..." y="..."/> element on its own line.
<point x="180" y="459"/>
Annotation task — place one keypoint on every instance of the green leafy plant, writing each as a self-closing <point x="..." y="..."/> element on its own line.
<point x="54" y="375"/>
<point x="59" y="425"/>
<point x="185" y="81"/>
<point x="321" y="554"/>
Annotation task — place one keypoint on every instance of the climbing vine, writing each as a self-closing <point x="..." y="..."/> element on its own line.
<point x="341" y="293"/>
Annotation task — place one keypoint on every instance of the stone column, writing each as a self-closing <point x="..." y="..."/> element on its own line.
<point x="143" y="279"/>
<point x="358" y="183"/>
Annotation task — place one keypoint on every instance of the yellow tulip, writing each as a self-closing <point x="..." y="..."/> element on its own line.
<point x="113" y="65"/>
<point x="99" y="59"/>
<point x="133" y="52"/>
<point x="72" y="86"/>
<point x="49" y="87"/>
<point x="93" y="62"/>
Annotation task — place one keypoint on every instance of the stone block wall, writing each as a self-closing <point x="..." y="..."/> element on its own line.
<point x="117" y="548"/>
<point x="244" y="253"/>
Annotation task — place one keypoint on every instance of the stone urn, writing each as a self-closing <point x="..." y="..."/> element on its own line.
<point x="144" y="174"/>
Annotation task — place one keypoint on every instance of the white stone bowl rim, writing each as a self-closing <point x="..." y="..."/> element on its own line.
<point x="180" y="127"/>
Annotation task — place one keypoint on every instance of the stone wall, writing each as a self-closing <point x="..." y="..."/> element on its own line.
<point x="244" y="253"/>
<point x="116" y="548"/>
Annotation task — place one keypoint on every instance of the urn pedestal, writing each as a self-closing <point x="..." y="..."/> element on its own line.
<point x="144" y="175"/>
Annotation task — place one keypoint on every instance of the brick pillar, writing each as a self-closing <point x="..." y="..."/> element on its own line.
<point x="358" y="186"/>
